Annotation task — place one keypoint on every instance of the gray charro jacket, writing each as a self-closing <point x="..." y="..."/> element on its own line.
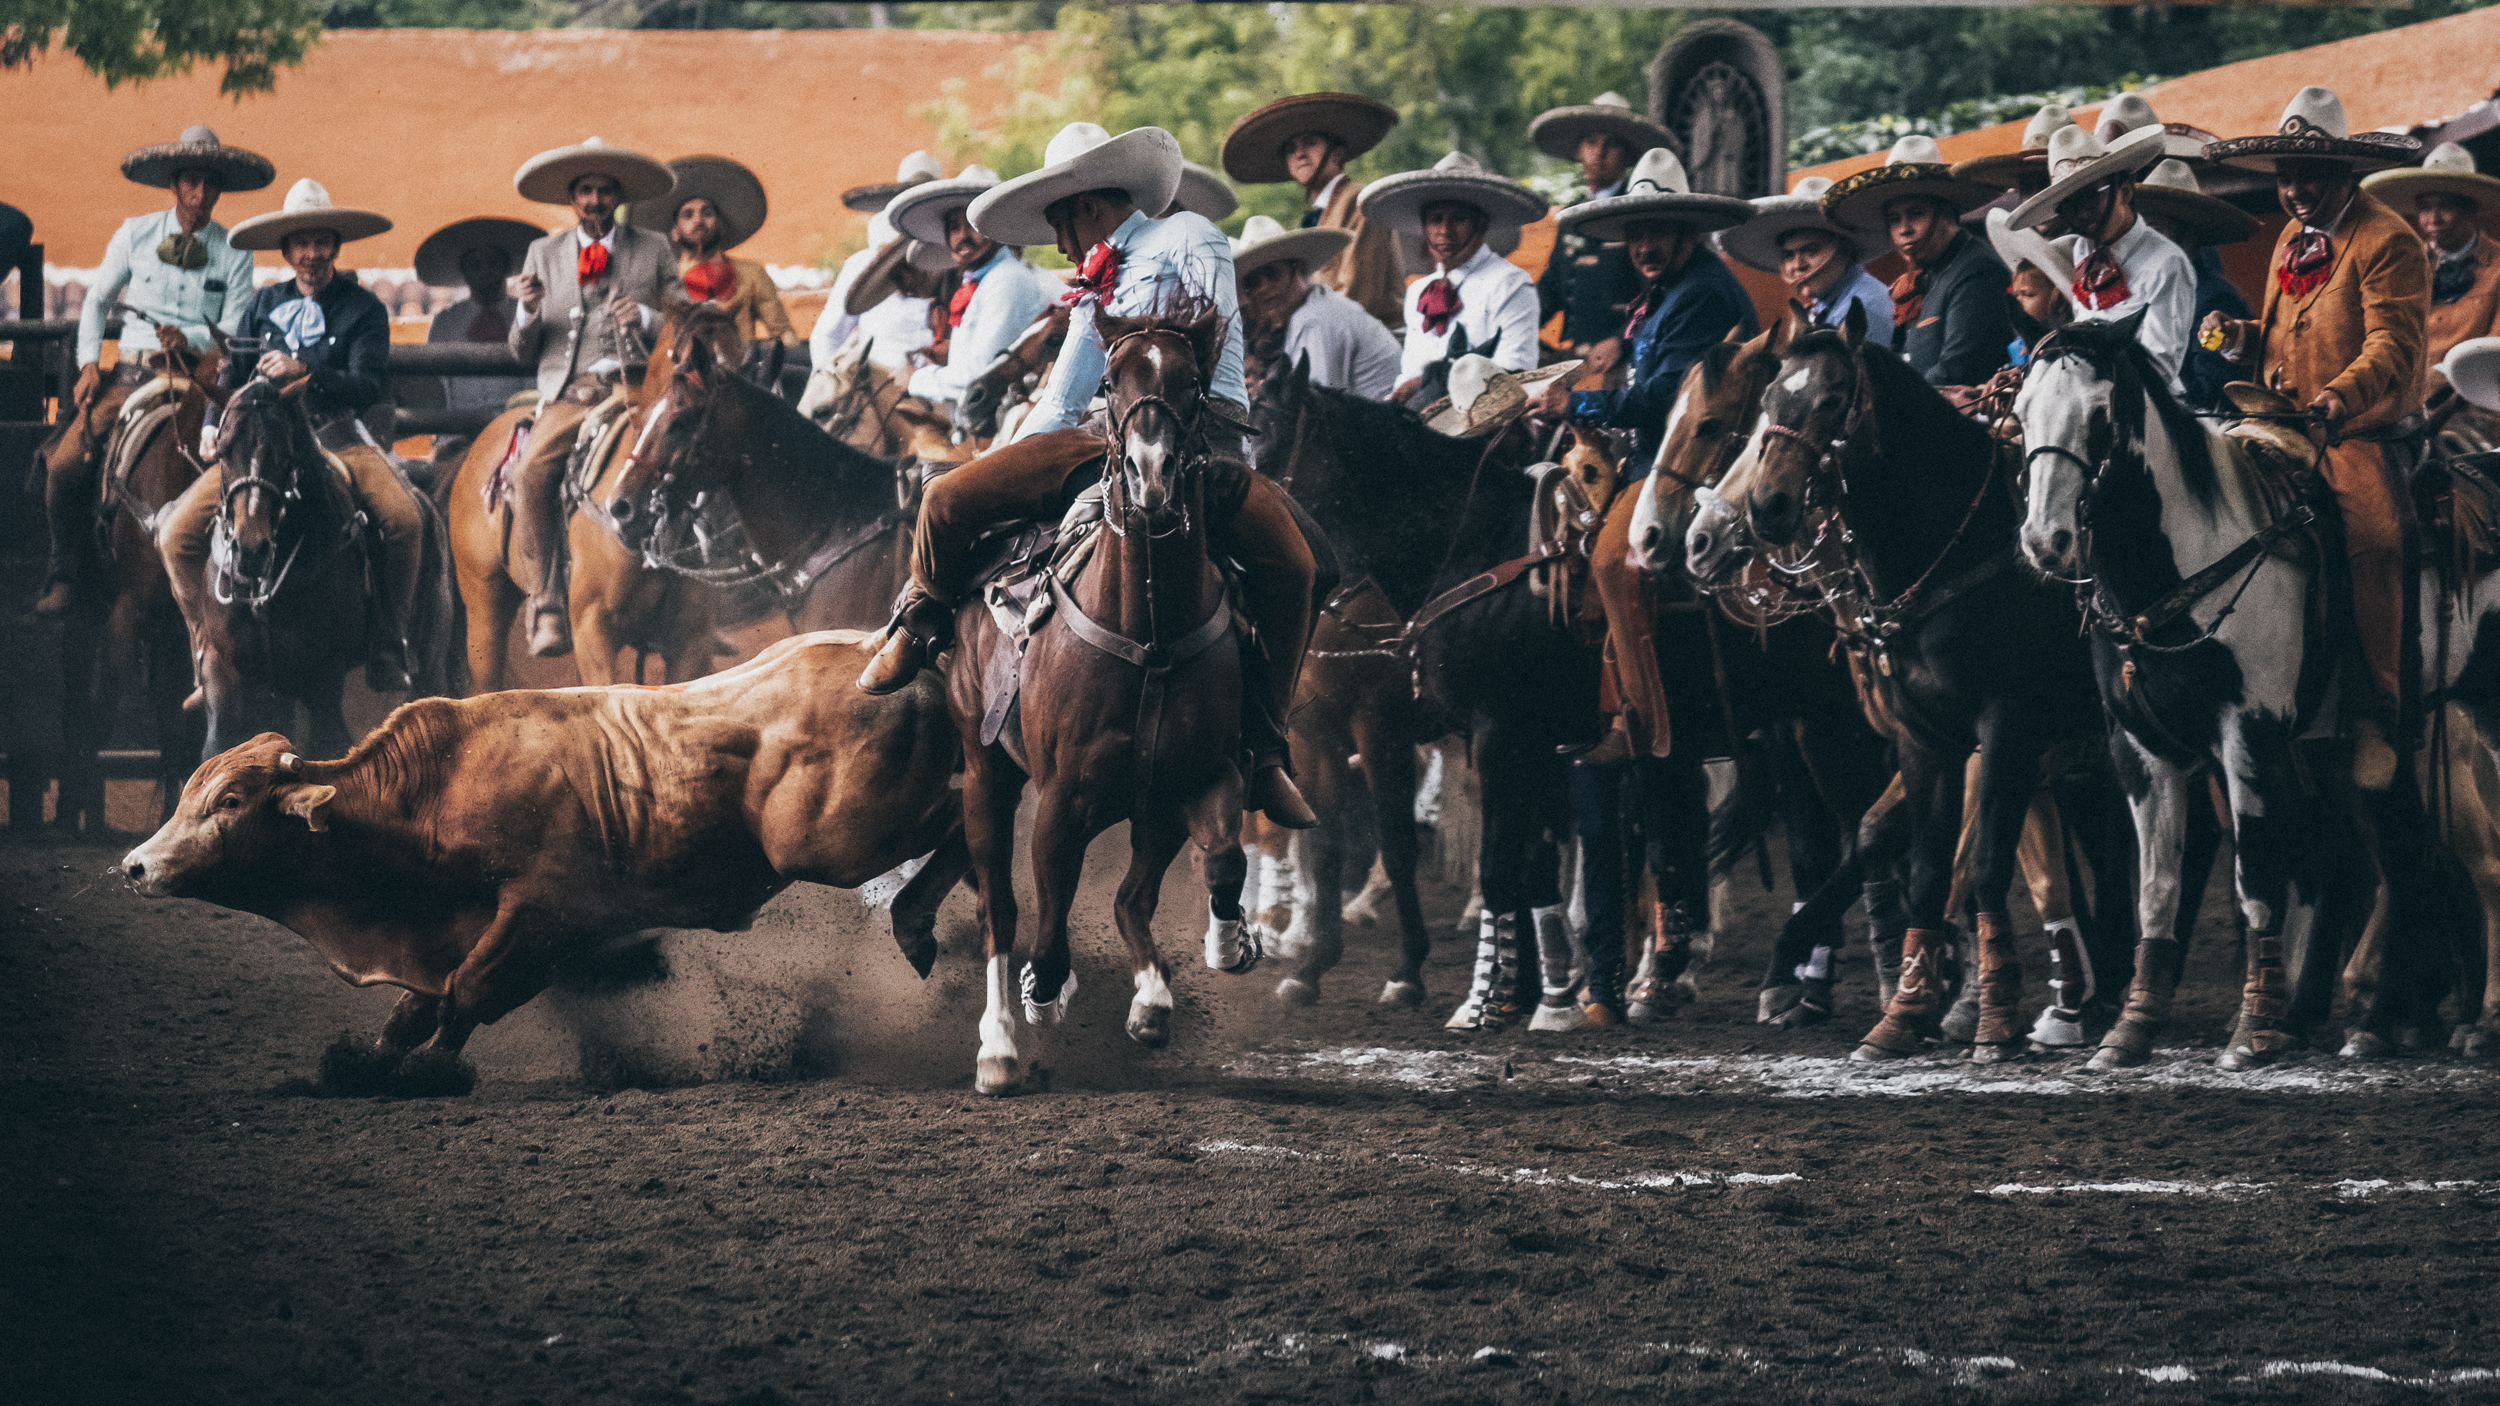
<point x="1963" y="318"/>
<point x="641" y="267"/>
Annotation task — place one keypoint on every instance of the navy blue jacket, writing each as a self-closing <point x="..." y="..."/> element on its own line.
<point x="2205" y="373"/>
<point x="349" y="360"/>
<point x="1695" y="309"/>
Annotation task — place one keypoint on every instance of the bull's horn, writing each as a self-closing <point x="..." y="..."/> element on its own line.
<point x="287" y="761"/>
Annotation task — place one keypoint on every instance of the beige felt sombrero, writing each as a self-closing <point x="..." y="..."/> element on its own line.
<point x="548" y="177"/>
<point x="1756" y="242"/>
<point x="1483" y="397"/>
<point x="2313" y="128"/>
<point x="438" y="258"/>
<point x="307" y="207"/>
<point x="1203" y="192"/>
<point x="1144" y="161"/>
<point x="2448" y="170"/>
<point x="2006" y="169"/>
<point x="198" y="149"/>
<point x="920" y="212"/>
<point x="1254" y="154"/>
<point x="1656" y="189"/>
<point x="2170" y="191"/>
<point x="2473" y="367"/>
<point x="1914" y="167"/>
<point x="1264" y="241"/>
<point x="2129" y="111"/>
<point x="1398" y="201"/>
<point x="1558" y="131"/>
<point x="2018" y="245"/>
<point x="733" y="190"/>
<point x="2078" y="161"/>
<point x="869" y="199"/>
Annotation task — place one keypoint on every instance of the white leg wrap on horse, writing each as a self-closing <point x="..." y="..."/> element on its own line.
<point x="2071" y="984"/>
<point x="1428" y="790"/>
<point x="1057" y="1010"/>
<point x="1230" y="946"/>
<point x="1497" y="974"/>
<point x="998" y="1065"/>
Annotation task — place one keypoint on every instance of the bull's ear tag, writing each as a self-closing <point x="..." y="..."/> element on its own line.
<point x="310" y="804"/>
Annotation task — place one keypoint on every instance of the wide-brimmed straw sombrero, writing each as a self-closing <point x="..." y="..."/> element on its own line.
<point x="548" y="177"/>
<point x="1264" y="241"/>
<point x="2006" y="169"/>
<point x="2448" y="170"/>
<point x="2129" y="111"/>
<point x="1656" y="189"/>
<point x="1398" y="201"/>
<point x="2313" y="129"/>
<point x="438" y="258"/>
<point x="1558" y="131"/>
<point x="198" y="149"/>
<point x="307" y="207"/>
<point x="2170" y="191"/>
<point x="1144" y="161"/>
<point x="1203" y="192"/>
<point x="1914" y="167"/>
<point x="869" y="199"/>
<point x="2018" y="245"/>
<point x="1483" y="397"/>
<point x="2473" y="367"/>
<point x="920" y="212"/>
<point x="1254" y="150"/>
<point x="890" y="251"/>
<point x="1756" y="242"/>
<point x="734" y="191"/>
<point x="2079" y="160"/>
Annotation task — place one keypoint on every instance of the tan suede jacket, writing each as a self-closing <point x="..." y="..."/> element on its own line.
<point x="2360" y="333"/>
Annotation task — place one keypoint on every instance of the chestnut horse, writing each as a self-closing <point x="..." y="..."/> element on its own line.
<point x="616" y="601"/>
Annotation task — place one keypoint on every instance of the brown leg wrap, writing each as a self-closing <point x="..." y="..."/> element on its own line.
<point x="2157" y="963"/>
<point x="2000" y="982"/>
<point x="1917" y="999"/>
<point x="2265" y="1001"/>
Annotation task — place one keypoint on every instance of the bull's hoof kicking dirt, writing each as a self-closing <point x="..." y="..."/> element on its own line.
<point x="1294" y="991"/>
<point x="1402" y="993"/>
<point x="353" y="1068"/>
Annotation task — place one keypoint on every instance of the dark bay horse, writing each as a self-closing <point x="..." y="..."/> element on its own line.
<point x="1949" y="639"/>
<point x="1129" y="706"/>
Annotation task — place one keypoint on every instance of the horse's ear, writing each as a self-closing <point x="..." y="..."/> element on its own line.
<point x="694" y="354"/>
<point x="1853" y="326"/>
<point x="1789" y="328"/>
<point x="1735" y="334"/>
<point x="2131" y="324"/>
<point x="1112" y="329"/>
<point x="1457" y="346"/>
<point x="1206" y="340"/>
<point x="1302" y="369"/>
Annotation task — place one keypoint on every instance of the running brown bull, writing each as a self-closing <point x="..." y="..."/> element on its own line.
<point x="464" y="848"/>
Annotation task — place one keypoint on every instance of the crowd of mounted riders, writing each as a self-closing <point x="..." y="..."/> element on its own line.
<point x="2376" y="333"/>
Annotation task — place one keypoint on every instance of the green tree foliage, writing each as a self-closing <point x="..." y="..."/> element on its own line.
<point x="131" y="41"/>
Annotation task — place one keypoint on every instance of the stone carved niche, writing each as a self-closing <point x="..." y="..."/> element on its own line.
<point x="1717" y="86"/>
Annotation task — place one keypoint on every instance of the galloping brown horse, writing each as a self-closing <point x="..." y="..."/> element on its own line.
<point x="1130" y="704"/>
<point x="616" y="600"/>
<point x="131" y="630"/>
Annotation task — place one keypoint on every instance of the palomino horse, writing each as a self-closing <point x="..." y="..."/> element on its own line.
<point x="615" y="600"/>
<point x="126" y="629"/>
<point x="1856" y="462"/>
<point x="1129" y="706"/>
<point x="2211" y="646"/>
<point x="288" y="567"/>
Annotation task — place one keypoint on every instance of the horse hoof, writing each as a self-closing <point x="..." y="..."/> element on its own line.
<point x="2479" y="1042"/>
<point x="1641" y="1013"/>
<point x="1777" y="1001"/>
<point x="2416" y="1039"/>
<point x="2241" y="1058"/>
<point x="1563" y="1017"/>
<point x="2053" y="1031"/>
<point x="997" y="1076"/>
<point x="2114" y="1057"/>
<point x="1402" y="993"/>
<point x="1151" y="1028"/>
<point x="2363" y="1044"/>
<point x="1294" y="991"/>
<point x="1992" y="1054"/>
<point x="1876" y="1054"/>
<point x="1801" y="1016"/>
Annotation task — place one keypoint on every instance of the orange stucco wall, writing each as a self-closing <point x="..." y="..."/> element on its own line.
<point x="427" y="126"/>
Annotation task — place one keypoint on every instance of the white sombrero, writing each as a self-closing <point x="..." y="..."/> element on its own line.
<point x="1264" y="241"/>
<point x="2313" y="129"/>
<point x="307" y="207"/>
<point x="2078" y="161"/>
<point x="438" y="258"/>
<point x="1203" y="192"/>
<point x="1483" y="397"/>
<point x="2473" y="367"/>
<point x="2006" y="169"/>
<point x="1756" y="242"/>
<point x="2018" y="245"/>
<point x="1144" y="161"/>
<point x="1657" y="189"/>
<point x="2129" y="111"/>
<point x="1557" y="131"/>
<point x="736" y="196"/>
<point x="889" y="252"/>
<point x="869" y="199"/>
<point x="548" y="177"/>
<point x="2170" y="191"/>
<point x="1254" y="150"/>
<point x="1914" y="167"/>
<point x="920" y="211"/>
<point x="1398" y="201"/>
<point x="2448" y="170"/>
<point x="198" y="149"/>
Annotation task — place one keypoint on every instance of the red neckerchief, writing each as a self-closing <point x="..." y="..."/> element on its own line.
<point x="2307" y="260"/>
<point x="963" y="299"/>
<point x="1095" y="279"/>
<point x="1640" y="312"/>
<point x="592" y="263"/>
<point x="1439" y="303"/>
<point x="706" y="281"/>
<point x="1907" y="292"/>
<point x="2100" y="284"/>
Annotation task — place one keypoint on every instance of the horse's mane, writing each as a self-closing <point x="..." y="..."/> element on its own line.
<point x="826" y="466"/>
<point x="2112" y="350"/>
<point x="401" y="764"/>
<point x="1904" y="403"/>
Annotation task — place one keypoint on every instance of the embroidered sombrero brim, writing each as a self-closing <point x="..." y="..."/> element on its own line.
<point x="2005" y="170"/>
<point x="2402" y="186"/>
<point x="730" y="186"/>
<point x="1314" y="249"/>
<point x="1756" y="242"/>
<point x="235" y="168"/>
<point x="920" y="211"/>
<point x="1253" y="151"/>
<point x="438" y="258"/>
<point x="1398" y="201"/>
<point x="1501" y="402"/>
<point x="1144" y="161"/>
<point x="2363" y="151"/>
<point x="2209" y="219"/>
<point x="1605" y="220"/>
<point x="1558" y="132"/>
<point x="1857" y="201"/>
<point x="548" y="177"/>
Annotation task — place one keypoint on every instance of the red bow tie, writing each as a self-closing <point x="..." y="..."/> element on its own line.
<point x="963" y="299"/>
<point x="592" y="263"/>
<point x="2307" y="260"/>
<point x="1095" y="279"/>
<point x="2100" y="284"/>
<point x="705" y="282"/>
<point x="1438" y="305"/>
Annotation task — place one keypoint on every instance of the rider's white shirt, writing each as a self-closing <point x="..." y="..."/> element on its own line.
<point x="1007" y="297"/>
<point x="1349" y="349"/>
<point x="161" y="293"/>
<point x="1182" y="253"/>
<point x="2160" y="280"/>
<point x="1494" y="295"/>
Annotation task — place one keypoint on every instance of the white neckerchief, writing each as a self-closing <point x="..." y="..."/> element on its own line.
<point x="1320" y="200"/>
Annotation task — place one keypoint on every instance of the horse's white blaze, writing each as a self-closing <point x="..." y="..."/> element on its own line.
<point x="1675" y="417"/>
<point x="1798" y="382"/>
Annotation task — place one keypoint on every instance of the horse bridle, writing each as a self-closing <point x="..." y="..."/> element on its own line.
<point x="1119" y="435"/>
<point x="225" y="578"/>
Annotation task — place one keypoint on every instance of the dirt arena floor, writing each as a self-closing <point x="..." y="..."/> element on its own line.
<point x="765" y="1179"/>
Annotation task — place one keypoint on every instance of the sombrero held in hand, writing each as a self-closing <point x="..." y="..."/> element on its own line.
<point x="1483" y="397"/>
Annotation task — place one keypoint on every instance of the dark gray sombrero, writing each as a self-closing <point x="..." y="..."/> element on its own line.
<point x="733" y="190"/>
<point x="1253" y="151"/>
<point x="438" y="258"/>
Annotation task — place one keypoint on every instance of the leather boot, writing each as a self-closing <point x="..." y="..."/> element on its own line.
<point x="1489" y="1004"/>
<point x="1271" y="791"/>
<point x="2265" y="1002"/>
<point x="912" y="643"/>
<point x="2130" y="1042"/>
<point x="1917" y="1001"/>
<point x="2000" y="983"/>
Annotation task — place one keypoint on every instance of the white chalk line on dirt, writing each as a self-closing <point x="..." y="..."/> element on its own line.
<point x="1809" y="1076"/>
<point x="1520" y="1176"/>
<point x="2349" y="1189"/>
